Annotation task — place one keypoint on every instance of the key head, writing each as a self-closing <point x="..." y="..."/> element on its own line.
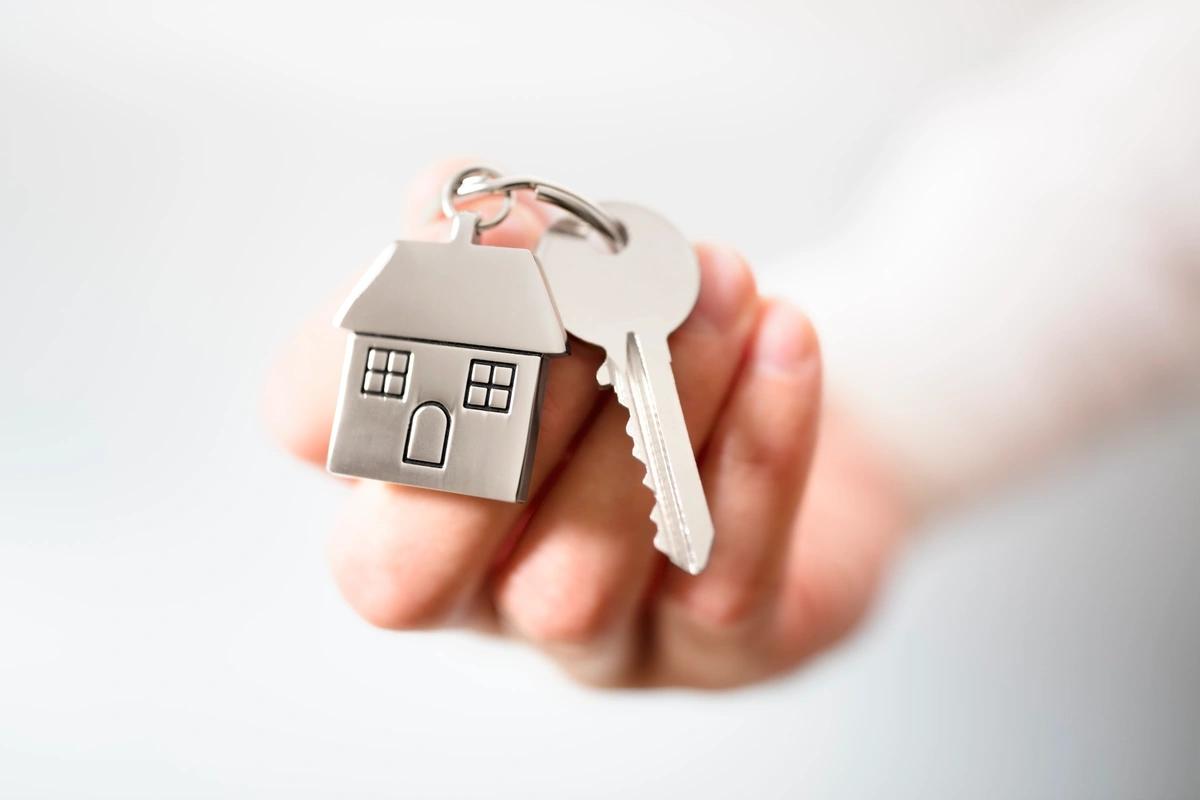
<point x="649" y="286"/>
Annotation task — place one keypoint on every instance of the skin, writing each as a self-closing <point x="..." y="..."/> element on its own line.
<point x="807" y="513"/>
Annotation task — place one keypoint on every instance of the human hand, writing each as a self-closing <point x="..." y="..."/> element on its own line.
<point x="573" y="571"/>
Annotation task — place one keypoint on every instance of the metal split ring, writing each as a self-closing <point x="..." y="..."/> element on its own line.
<point x="466" y="183"/>
<point x="479" y="180"/>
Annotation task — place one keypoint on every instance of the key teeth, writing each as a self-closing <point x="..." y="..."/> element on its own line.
<point x="681" y="555"/>
<point x="639" y="453"/>
<point x="635" y="436"/>
<point x="660" y="536"/>
<point x="604" y="376"/>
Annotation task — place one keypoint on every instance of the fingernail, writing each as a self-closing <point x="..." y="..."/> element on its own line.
<point x="785" y="341"/>
<point x="724" y="284"/>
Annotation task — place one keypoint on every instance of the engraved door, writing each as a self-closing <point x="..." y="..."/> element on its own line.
<point x="428" y="436"/>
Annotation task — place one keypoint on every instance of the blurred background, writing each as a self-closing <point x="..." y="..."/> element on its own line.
<point x="181" y="183"/>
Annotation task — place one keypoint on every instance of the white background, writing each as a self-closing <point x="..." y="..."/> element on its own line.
<point x="180" y="183"/>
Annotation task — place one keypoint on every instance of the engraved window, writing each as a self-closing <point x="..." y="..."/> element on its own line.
<point x="490" y="385"/>
<point x="386" y="373"/>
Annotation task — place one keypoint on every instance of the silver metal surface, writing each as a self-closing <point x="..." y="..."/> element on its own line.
<point x="445" y="368"/>
<point x="479" y="180"/>
<point x="627" y="303"/>
<point x="458" y="292"/>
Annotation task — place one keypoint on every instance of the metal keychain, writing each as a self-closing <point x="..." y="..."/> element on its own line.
<point x="445" y="366"/>
<point x="428" y="314"/>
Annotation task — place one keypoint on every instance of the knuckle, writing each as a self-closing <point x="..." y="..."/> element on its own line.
<point x="728" y="608"/>
<point x="763" y="455"/>
<point x="395" y="598"/>
<point x="564" y="608"/>
<point x="581" y="621"/>
<point x="392" y="605"/>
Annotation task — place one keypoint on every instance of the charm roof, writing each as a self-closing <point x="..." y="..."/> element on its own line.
<point x="457" y="292"/>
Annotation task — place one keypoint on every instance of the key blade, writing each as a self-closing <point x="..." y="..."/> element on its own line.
<point x="646" y="388"/>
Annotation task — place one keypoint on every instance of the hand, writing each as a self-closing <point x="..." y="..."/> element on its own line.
<point x="573" y="571"/>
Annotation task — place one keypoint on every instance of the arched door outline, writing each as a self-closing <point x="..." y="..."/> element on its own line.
<point x="428" y="435"/>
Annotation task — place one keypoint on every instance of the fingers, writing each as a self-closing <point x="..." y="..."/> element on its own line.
<point x="302" y="387"/>
<point x="707" y="627"/>
<point x="576" y="579"/>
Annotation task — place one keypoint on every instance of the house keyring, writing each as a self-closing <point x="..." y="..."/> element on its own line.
<point x="446" y="361"/>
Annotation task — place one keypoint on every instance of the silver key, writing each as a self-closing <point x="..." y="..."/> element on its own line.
<point x="627" y="303"/>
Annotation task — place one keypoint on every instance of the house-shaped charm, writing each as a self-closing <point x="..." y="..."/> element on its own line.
<point x="445" y="367"/>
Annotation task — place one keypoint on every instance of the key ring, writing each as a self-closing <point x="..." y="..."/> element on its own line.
<point x="479" y="180"/>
